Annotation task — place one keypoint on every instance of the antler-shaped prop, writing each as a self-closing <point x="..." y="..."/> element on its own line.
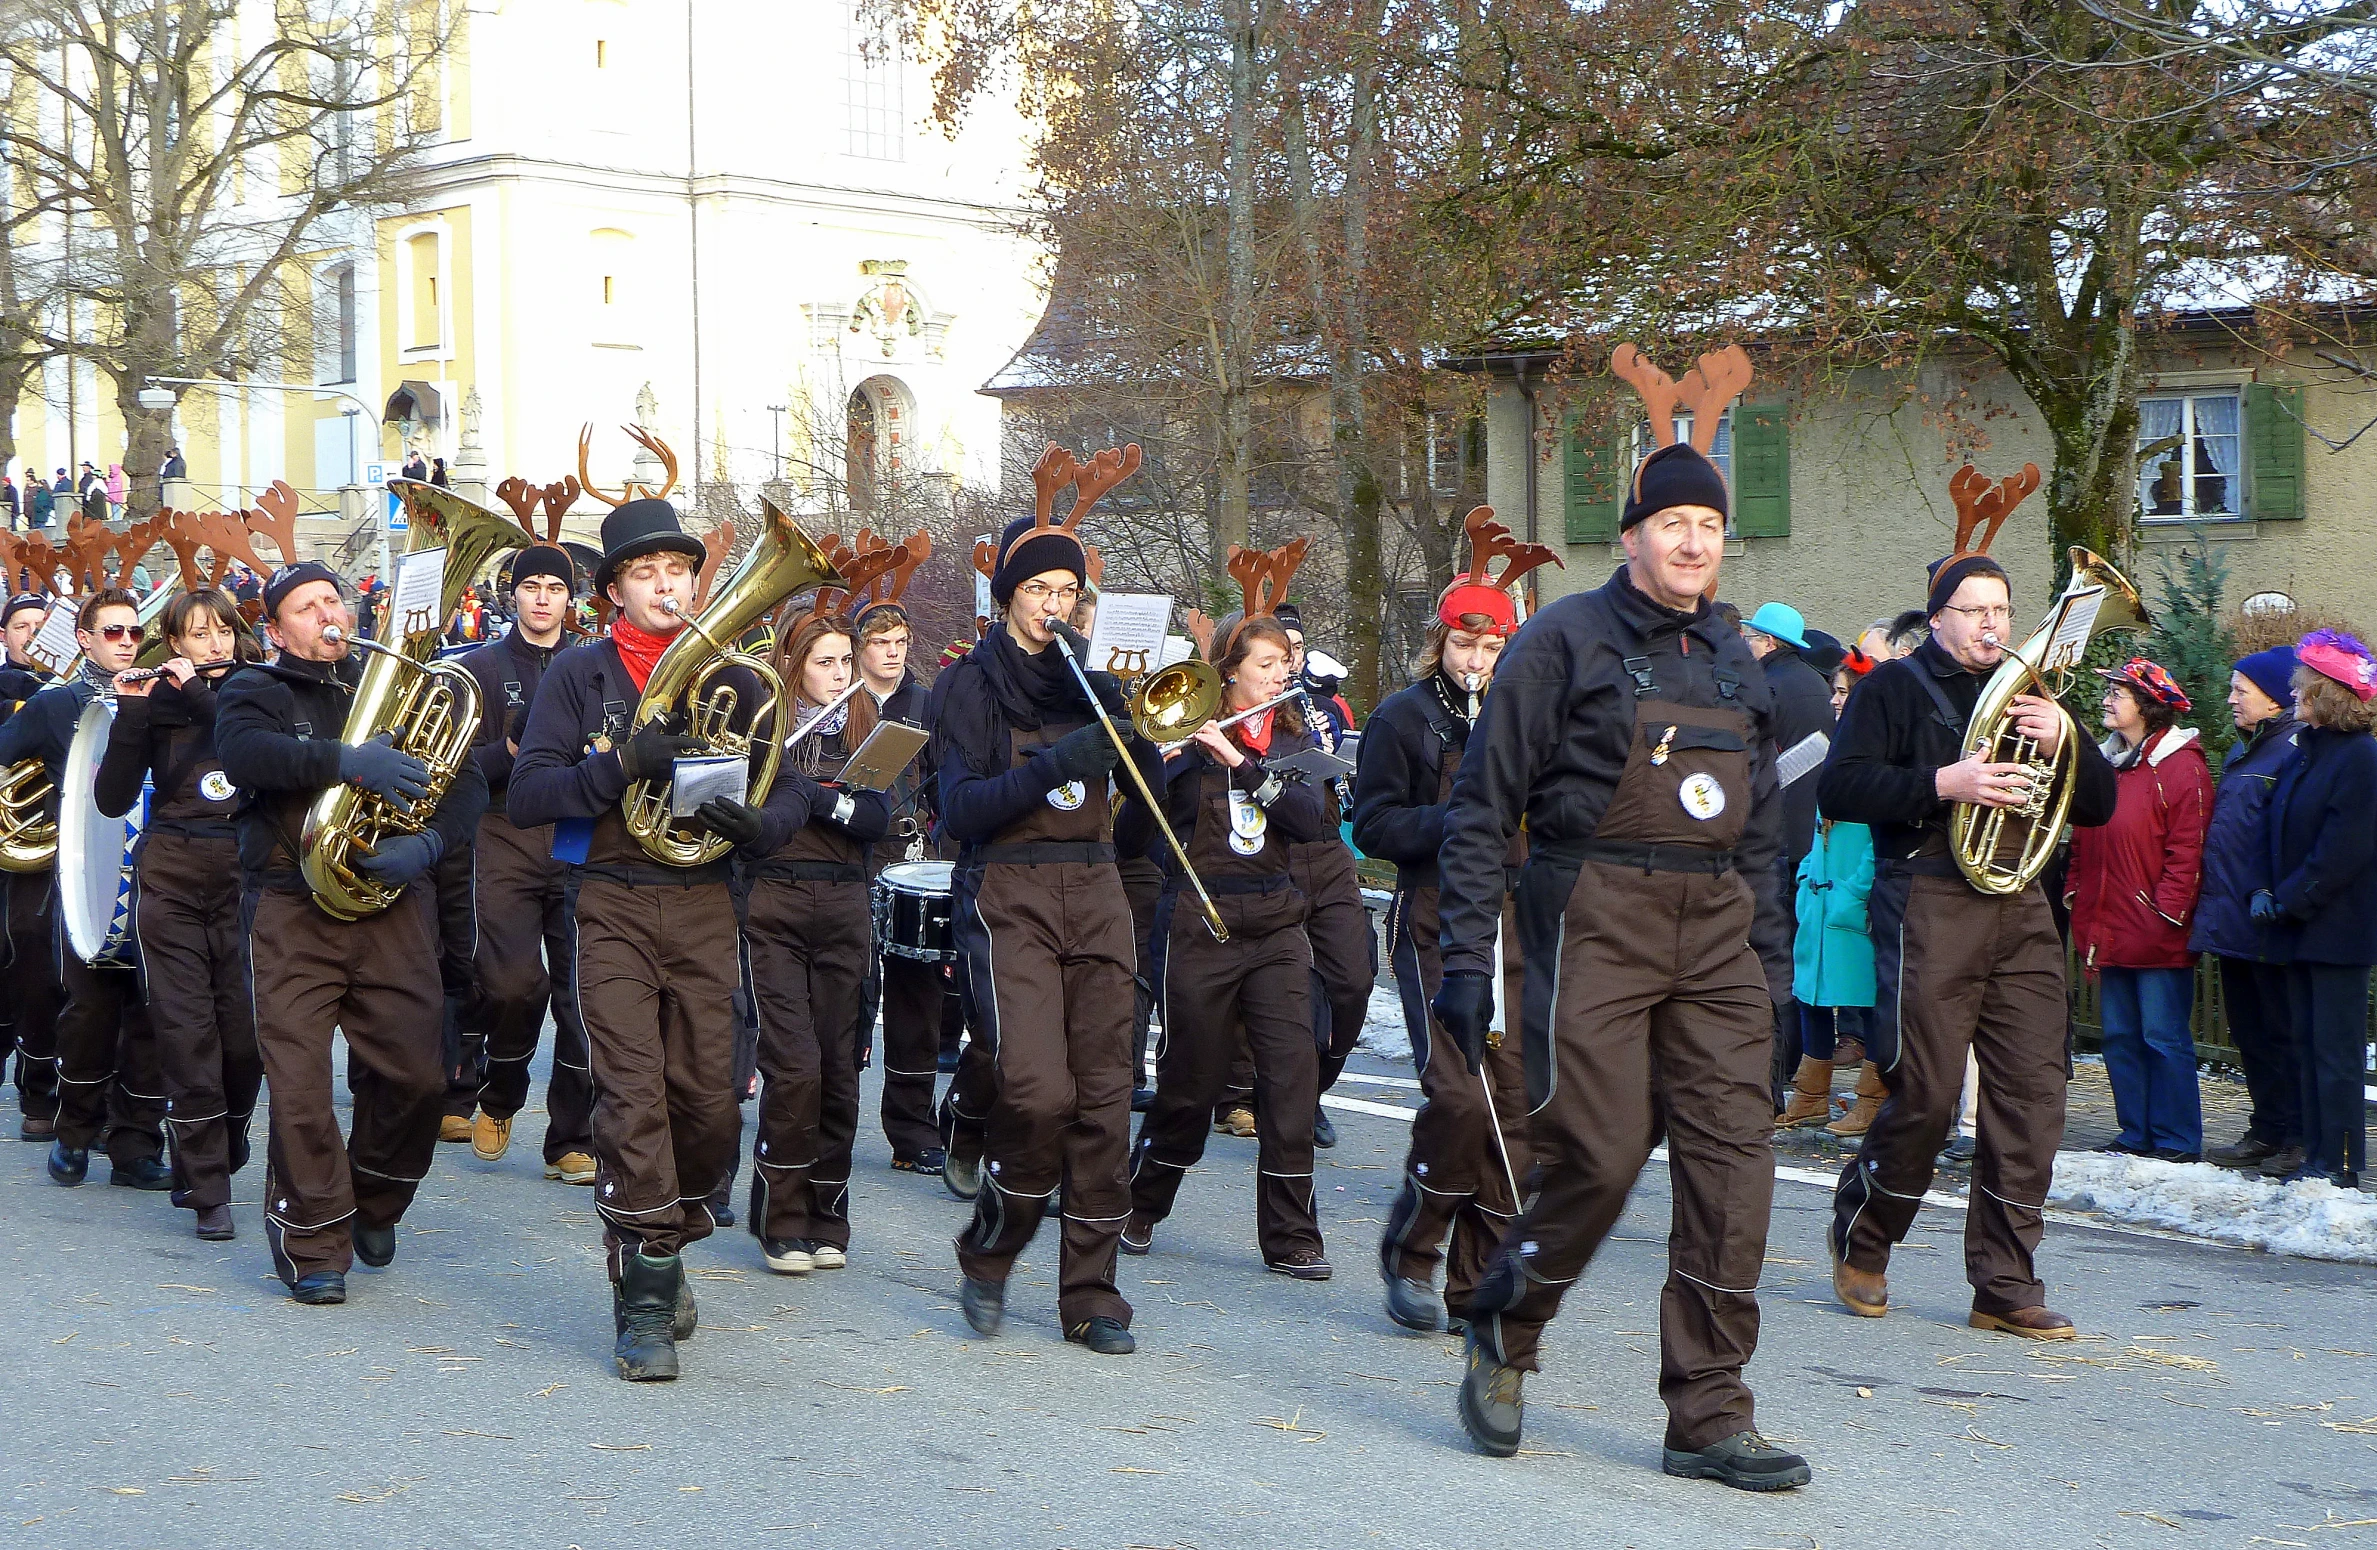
<point x="1056" y="470"/>
<point x="1981" y="502"/>
<point x="1714" y="382"/>
<point x="275" y="516"/>
<point x="88" y="544"/>
<point x="559" y="497"/>
<point x="182" y="537"/>
<point x="631" y="489"/>
<point x="1200" y="630"/>
<point x="135" y="543"/>
<point x="521" y="496"/>
<point x="230" y="540"/>
<point x="1100" y="474"/>
<point x="1490" y="540"/>
<point x="1263" y="575"/>
<point x="1050" y="476"/>
<point x="715" y="548"/>
<point x="986" y="558"/>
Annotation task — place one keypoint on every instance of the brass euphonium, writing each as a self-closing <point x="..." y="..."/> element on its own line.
<point x="683" y="690"/>
<point x="2002" y="850"/>
<point x="28" y="834"/>
<point x="428" y="709"/>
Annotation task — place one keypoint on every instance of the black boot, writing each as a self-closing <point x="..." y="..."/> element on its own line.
<point x="1105" y="1336"/>
<point x="644" y="1308"/>
<point x="239" y="1145"/>
<point x="688" y="1317"/>
<point x="985" y="1304"/>
<point x="141" y="1173"/>
<point x="1413" y="1305"/>
<point x="69" y="1165"/>
<point x="376" y="1246"/>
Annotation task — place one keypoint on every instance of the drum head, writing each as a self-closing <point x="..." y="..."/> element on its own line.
<point x="90" y="844"/>
<point x="918" y="876"/>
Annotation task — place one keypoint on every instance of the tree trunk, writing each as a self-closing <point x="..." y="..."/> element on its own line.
<point x="1237" y="449"/>
<point x="147" y="433"/>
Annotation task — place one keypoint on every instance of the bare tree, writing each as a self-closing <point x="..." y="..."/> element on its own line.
<point x="175" y="162"/>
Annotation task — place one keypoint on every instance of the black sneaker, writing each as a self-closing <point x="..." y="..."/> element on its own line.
<point x="1104" y="1336"/>
<point x="985" y="1305"/>
<point x="1413" y="1305"/>
<point x="375" y="1246"/>
<point x="1142" y="1099"/>
<point x="789" y="1256"/>
<point x="1744" y="1461"/>
<point x="1959" y="1151"/>
<point x="1138" y="1235"/>
<point x="1493" y="1412"/>
<point x="1302" y="1265"/>
<point x="2117" y="1149"/>
<point x="321" y="1289"/>
<point x="931" y="1160"/>
<point x="1324" y="1134"/>
<point x="2247" y="1152"/>
<point x="2172" y="1154"/>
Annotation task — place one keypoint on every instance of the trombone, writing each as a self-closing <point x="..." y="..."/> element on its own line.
<point x="1074" y="646"/>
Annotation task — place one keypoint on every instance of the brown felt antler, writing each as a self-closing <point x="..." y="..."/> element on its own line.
<point x="183" y="540"/>
<point x="889" y="584"/>
<point x="862" y="566"/>
<point x="1200" y="630"/>
<point x="1263" y="574"/>
<point x="1984" y="504"/>
<point x="275" y="516"/>
<point x="135" y="542"/>
<point x="1100" y="474"/>
<point x="631" y="489"/>
<point x="1056" y="470"/>
<point x="1490" y="540"/>
<point x="88" y="544"/>
<point x="230" y="540"/>
<point x="522" y="497"/>
<point x="559" y="497"/>
<point x="1714" y="382"/>
<point x="715" y="548"/>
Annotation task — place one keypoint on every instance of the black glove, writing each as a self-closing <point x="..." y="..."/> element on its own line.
<point x="1465" y="1005"/>
<point x="400" y="858"/>
<point x="648" y="754"/>
<point x="730" y="820"/>
<point x="1085" y="753"/>
<point x="2265" y="908"/>
<point x="385" y="771"/>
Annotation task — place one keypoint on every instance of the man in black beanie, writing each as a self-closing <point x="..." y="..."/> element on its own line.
<point x="524" y="958"/>
<point x="29" y="1020"/>
<point x="1023" y="768"/>
<point x="1631" y="729"/>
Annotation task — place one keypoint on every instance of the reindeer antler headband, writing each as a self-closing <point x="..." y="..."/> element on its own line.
<point x="1048" y="542"/>
<point x="886" y="589"/>
<point x="633" y="489"/>
<point x="1982" y="506"/>
<point x="865" y="565"/>
<point x="1480" y="593"/>
<point x="1262" y="576"/>
<point x="1677" y="473"/>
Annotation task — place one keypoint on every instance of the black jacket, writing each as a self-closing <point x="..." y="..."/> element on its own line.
<point x="43" y="728"/>
<point x="2237" y="843"/>
<point x="277" y="731"/>
<point x="2322" y="859"/>
<point x="1397" y="771"/>
<point x="994" y="690"/>
<point x="1552" y="738"/>
<point x="1802" y="706"/>
<point x="1892" y="742"/>
<point x="508" y="671"/>
<point x="167" y="735"/>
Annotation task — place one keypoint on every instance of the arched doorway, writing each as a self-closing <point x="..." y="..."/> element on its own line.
<point x="878" y="423"/>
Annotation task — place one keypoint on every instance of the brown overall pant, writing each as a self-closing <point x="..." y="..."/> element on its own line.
<point x="34" y="994"/>
<point x="194" y="971"/>
<point x="524" y="926"/>
<point x="809" y="939"/>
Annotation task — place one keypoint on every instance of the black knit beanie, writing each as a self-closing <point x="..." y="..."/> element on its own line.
<point x="544" y="560"/>
<point x="1953" y="571"/>
<point x="1674" y="476"/>
<point x="1050" y="549"/>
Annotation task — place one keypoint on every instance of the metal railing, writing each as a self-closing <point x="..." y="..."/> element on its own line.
<point x="2208" y="1017"/>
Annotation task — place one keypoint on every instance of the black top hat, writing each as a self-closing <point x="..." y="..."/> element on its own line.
<point x="637" y="528"/>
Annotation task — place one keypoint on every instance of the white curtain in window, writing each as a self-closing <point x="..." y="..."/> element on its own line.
<point x="2216" y="433"/>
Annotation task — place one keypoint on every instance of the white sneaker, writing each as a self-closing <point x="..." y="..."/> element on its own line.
<point x="789" y="1256"/>
<point x="826" y="1257"/>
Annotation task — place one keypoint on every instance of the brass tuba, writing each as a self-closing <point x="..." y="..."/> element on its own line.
<point x="28" y="834"/>
<point x="427" y="708"/>
<point x="2002" y="850"/>
<point x="785" y="560"/>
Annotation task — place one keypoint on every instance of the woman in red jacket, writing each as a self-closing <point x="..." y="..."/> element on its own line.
<point x="2133" y="889"/>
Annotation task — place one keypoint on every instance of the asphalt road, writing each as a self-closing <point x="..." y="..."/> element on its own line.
<point x="170" y="1395"/>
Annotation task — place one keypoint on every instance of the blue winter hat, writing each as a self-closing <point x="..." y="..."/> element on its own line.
<point x="2272" y="672"/>
<point x="1783" y="622"/>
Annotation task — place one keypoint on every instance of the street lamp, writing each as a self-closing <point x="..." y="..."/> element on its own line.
<point x="776" y="439"/>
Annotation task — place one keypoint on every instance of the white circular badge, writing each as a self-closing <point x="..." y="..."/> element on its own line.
<point x="1068" y="796"/>
<point x="1702" y="796"/>
<point x="216" y="786"/>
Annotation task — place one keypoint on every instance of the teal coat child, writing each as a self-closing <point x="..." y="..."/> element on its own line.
<point x="1833" y="956"/>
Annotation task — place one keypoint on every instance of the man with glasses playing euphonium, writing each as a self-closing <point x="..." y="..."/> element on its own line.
<point x="1957" y="967"/>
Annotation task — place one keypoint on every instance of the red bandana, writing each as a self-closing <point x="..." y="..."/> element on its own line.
<point x="1256" y="733"/>
<point x="639" y="649"/>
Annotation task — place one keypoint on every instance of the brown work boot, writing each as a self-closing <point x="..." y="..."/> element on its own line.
<point x="1870" y="1093"/>
<point x="1811" y="1095"/>
<point x="454" y="1127"/>
<point x="490" y="1137"/>
<point x="2029" y="1323"/>
<point x="1239" y="1122"/>
<point x="1865" y="1293"/>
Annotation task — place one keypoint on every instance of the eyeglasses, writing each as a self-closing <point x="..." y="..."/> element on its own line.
<point x="1035" y="593"/>
<point x="1992" y="613"/>
<point x="116" y="631"/>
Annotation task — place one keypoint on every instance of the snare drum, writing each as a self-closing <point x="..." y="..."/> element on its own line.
<point x="912" y="907"/>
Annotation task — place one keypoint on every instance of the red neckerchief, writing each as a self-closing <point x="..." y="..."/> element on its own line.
<point x="1256" y="734"/>
<point x="639" y="649"/>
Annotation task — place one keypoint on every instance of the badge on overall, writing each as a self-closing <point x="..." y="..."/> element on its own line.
<point x="1069" y="796"/>
<point x="216" y="786"/>
<point x="1703" y="797"/>
<point x="600" y="744"/>
<point x="1247" y="823"/>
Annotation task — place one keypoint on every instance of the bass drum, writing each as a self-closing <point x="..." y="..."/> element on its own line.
<point x="912" y="910"/>
<point x="95" y="851"/>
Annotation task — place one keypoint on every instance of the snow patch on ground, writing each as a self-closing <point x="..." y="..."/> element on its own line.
<point x="1383" y="1032"/>
<point x="2311" y="1221"/>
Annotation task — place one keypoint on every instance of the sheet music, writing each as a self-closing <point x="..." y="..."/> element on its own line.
<point x="2072" y="630"/>
<point x="54" y="645"/>
<point x="1801" y="758"/>
<point x="695" y="781"/>
<point x="417" y="603"/>
<point x="1127" y="636"/>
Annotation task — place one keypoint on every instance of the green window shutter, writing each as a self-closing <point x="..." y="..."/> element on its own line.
<point x="1762" y="470"/>
<point x="2274" y="452"/>
<point x="1592" y="485"/>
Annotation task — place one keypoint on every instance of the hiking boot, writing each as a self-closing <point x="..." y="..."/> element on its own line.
<point x="789" y="1256"/>
<point x="1960" y="1150"/>
<point x="1104" y="1336"/>
<point x="644" y="1310"/>
<point x="1138" y="1234"/>
<point x="1413" y="1305"/>
<point x="687" y="1318"/>
<point x="34" y="1128"/>
<point x="1870" y="1093"/>
<point x="1811" y="1096"/>
<point x="1492" y="1411"/>
<point x="571" y="1168"/>
<point x="1324" y="1134"/>
<point x="961" y="1167"/>
<point x="1239" y="1121"/>
<point x="376" y="1246"/>
<point x="2247" y="1152"/>
<point x="931" y="1160"/>
<point x="1302" y="1265"/>
<point x="985" y="1305"/>
<point x="454" y="1127"/>
<point x="2029" y="1323"/>
<point x="320" y="1290"/>
<point x="214" y="1224"/>
<point x="490" y="1137"/>
<point x="1865" y="1293"/>
<point x="2282" y="1162"/>
<point x="1744" y="1461"/>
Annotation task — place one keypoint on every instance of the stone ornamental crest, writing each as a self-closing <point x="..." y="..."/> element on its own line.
<point x="887" y="308"/>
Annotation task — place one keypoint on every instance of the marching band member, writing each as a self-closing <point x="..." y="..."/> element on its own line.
<point x="30" y="1019"/>
<point x="1455" y="1177"/>
<point x="1956" y="968"/>
<point x="524" y="960"/>
<point x="809" y="936"/>
<point x="1238" y="820"/>
<point x="373" y="980"/>
<point x="656" y="971"/>
<point x="185" y="902"/>
<point x="1632" y="731"/>
<point x="106" y="1051"/>
<point x="1040" y="921"/>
